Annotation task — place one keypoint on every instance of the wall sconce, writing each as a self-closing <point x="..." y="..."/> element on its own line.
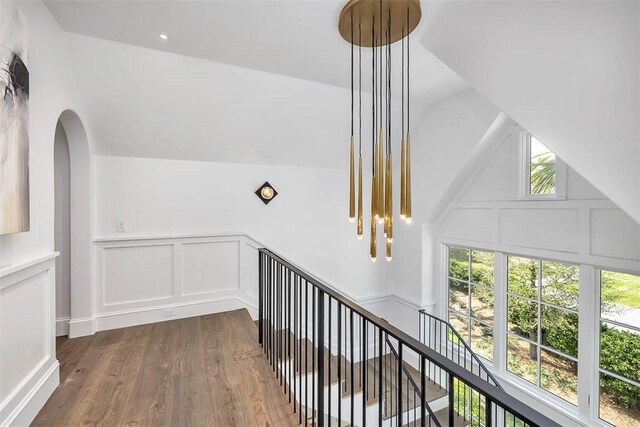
<point x="266" y="193"/>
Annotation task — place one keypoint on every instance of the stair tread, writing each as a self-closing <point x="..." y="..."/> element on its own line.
<point x="433" y="390"/>
<point x="443" y="417"/>
<point x="303" y="348"/>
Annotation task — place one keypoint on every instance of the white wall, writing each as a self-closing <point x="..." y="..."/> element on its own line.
<point x="486" y="213"/>
<point x="306" y="222"/>
<point x="585" y="227"/>
<point x="27" y="357"/>
<point x="444" y="141"/>
<point x="569" y="72"/>
<point x="62" y="231"/>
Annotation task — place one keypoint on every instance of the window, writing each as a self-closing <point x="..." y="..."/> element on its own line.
<point x="542" y="316"/>
<point x="543" y="173"/>
<point x="619" y="361"/>
<point x="534" y="335"/>
<point x="471" y="298"/>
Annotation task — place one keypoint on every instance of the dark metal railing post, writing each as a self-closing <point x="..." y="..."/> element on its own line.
<point x="488" y="419"/>
<point x="321" y="356"/>
<point x="260" y="298"/>
<point x="451" y="398"/>
<point x="423" y="392"/>
<point x="399" y="383"/>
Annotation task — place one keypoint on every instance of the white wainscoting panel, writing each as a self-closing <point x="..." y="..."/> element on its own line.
<point x="209" y="267"/>
<point x="137" y="273"/>
<point x="551" y="229"/>
<point x="469" y="224"/>
<point x="614" y="234"/>
<point x="152" y="279"/>
<point x="28" y="367"/>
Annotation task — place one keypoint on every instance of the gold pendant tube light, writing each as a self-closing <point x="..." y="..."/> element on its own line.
<point x="379" y="24"/>
<point x="352" y="178"/>
<point x="360" y="225"/>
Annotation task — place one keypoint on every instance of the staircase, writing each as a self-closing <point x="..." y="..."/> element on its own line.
<point x="341" y="365"/>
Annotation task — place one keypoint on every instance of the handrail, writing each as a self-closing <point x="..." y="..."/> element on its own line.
<point x="472" y="354"/>
<point x="413" y="383"/>
<point x="492" y="393"/>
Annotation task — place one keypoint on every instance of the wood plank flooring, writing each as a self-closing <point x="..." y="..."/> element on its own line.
<point x="201" y="371"/>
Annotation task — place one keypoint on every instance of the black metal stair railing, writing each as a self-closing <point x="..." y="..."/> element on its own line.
<point x="440" y="336"/>
<point x="419" y="406"/>
<point x="332" y="359"/>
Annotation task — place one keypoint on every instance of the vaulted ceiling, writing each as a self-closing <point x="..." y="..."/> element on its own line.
<point x="295" y="38"/>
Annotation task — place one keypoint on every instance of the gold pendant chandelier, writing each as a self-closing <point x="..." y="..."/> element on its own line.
<point x="377" y="24"/>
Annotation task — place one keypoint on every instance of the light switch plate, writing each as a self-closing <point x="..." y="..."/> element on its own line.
<point x="121" y="226"/>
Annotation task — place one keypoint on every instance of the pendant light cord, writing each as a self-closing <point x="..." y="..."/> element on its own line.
<point x="389" y="82"/>
<point x="402" y="73"/>
<point x="380" y="34"/>
<point x="408" y="74"/>
<point x="359" y="90"/>
<point x="373" y="96"/>
<point x="352" y="74"/>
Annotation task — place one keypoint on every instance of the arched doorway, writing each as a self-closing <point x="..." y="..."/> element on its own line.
<point x="80" y="224"/>
<point x="62" y="230"/>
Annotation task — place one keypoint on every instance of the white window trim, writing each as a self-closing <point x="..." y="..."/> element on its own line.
<point x="525" y="174"/>
<point x="587" y="408"/>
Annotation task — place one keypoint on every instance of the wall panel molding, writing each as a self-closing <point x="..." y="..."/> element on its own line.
<point x="27" y="354"/>
<point x="155" y="278"/>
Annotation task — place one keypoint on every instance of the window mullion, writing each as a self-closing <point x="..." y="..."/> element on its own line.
<point x="539" y="338"/>
<point x="588" y="339"/>
<point x="500" y="312"/>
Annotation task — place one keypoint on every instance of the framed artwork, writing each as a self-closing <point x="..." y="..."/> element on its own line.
<point x="14" y="121"/>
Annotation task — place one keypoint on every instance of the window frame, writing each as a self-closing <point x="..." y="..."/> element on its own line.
<point x="540" y="347"/>
<point x="598" y="319"/>
<point x="525" y="173"/>
<point x="587" y="409"/>
<point x="468" y="316"/>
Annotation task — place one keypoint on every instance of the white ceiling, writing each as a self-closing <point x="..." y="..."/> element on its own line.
<point x="296" y="38"/>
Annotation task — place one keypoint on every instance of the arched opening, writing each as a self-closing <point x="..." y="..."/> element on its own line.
<point x="80" y="224"/>
<point x="62" y="230"/>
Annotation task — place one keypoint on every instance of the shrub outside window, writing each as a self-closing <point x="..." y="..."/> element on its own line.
<point x="542" y="335"/>
<point x="619" y="361"/>
<point x="471" y="298"/>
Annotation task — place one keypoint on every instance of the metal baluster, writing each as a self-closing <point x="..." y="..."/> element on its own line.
<point x="296" y="400"/>
<point x="279" y="284"/>
<point x="352" y="385"/>
<point x="329" y="357"/>
<point x="451" y="393"/>
<point x="314" y="344"/>
<point x="299" y="342"/>
<point x="260" y="298"/>
<point x="272" y="312"/>
<point x="289" y="361"/>
<point x="340" y="363"/>
<point x="399" y="382"/>
<point x="321" y="356"/>
<point x="306" y="355"/>
<point x="381" y="375"/>
<point x="363" y="375"/>
<point x="423" y="391"/>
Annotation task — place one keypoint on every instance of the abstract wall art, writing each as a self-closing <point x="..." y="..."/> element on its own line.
<point x="14" y="121"/>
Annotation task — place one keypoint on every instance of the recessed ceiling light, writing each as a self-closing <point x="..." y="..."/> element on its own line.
<point x="164" y="37"/>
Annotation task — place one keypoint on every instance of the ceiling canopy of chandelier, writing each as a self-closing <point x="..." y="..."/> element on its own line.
<point x="377" y="24"/>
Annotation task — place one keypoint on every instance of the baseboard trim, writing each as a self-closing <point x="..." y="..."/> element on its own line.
<point x="142" y="316"/>
<point x="25" y="411"/>
<point x="62" y="326"/>
<point x="82" y="327"/>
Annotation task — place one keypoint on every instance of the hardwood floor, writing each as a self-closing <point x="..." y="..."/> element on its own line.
<point x="201" y="371"/>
